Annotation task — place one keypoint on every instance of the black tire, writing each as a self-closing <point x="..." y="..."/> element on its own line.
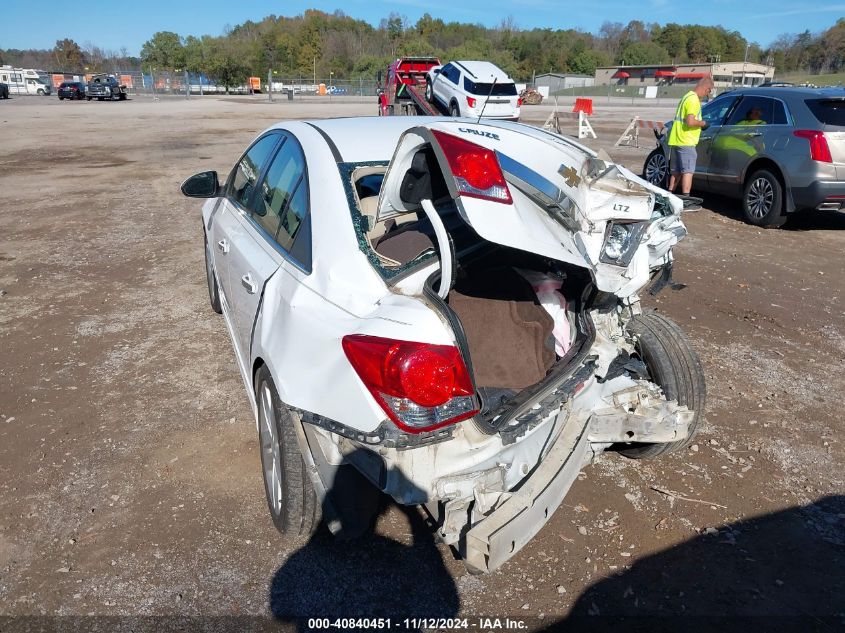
<point x="674" y="365"/>
<point x="40" y="92"/>
<point x="123" y="96"/>
<point x="454" y="111"/>
<point x="762" y="200"/>
<point x="100" y="98"/>
<point x="88" y="98"/>
<point x="656" y="168"/>
<point x="61" y="98"/>
<point x="211" y="280"/>
<point x="429" y="93"/>
<point x="291" y="499"/>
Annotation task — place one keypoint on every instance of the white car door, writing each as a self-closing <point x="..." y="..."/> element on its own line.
<point x="264" y="239"/>
<point x="227" y="227"/>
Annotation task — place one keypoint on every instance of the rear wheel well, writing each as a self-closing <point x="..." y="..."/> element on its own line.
<point x="764" y="163"/>
<point x="256" y="367"/>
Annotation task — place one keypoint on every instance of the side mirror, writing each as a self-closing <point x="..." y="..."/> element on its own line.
<point x="201" y="185"/>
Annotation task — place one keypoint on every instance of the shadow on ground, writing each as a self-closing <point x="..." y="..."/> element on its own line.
<point x="370" y="576"/>
<point x="799" y="221"/>
<point x="778" y="572"/>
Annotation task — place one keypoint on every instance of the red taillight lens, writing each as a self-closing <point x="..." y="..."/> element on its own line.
<point x="420" y="386"/>
<point x="519" y="102"/>
<point x="471" y="102"/>
<point x="819" y="149"/>
<point x="476" y="169"/>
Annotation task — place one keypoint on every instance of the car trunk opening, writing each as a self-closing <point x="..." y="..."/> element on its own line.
<point x="518" y="317"/>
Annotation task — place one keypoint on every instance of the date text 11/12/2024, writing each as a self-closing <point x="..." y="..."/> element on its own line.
<point x="387" y="624"/>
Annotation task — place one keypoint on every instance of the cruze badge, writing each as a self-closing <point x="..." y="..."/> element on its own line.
<point x="467" y="130"/>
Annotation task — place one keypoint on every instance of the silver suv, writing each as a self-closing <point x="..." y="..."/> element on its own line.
<point x="779" y="150"/>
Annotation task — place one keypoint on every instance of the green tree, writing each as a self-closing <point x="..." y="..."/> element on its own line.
<point x="163" y="50"/>
<point x="69" y="55"/>
<point x="643" y="53"/>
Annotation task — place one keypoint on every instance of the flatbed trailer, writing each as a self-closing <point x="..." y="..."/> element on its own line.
<point x="405" y="89"/>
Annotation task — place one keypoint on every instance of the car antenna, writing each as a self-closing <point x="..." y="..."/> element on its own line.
<point x="489" y="94"/>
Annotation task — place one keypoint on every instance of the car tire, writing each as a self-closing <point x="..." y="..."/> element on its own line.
<point x="211" y="279"/>
<point x="673" y="365"/>
<point x="762" y="200"/>
<point x="122" y="96"/>
<point x="290" y="495"/>
<point x="88" y="98"/>
<point x="656" y="168"/>
<point x="61" y="98"/>
<point x="40" y="92"/>
<point x="429" y="94"/>
<point x="454" y="111"/>
<point x="100" y="98"/>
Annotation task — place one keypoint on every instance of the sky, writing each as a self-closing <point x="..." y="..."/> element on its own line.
<point x="113" y="25"/>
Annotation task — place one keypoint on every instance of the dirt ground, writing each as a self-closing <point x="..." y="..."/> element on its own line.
<point x="129" y="470"/>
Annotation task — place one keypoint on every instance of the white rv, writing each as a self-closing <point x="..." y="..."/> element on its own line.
<point x="24" y="81"/>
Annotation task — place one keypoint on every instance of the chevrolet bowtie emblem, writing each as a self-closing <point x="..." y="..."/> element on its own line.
<point x="570" y="175"/>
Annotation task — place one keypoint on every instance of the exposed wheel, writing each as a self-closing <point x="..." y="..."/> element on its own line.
<point x="290" y="495"/>
<point x="656" y="168"/>
<point x="674" y="365"/>
<point x="61" y="98"/>
<point x="429" y="95"/>
<point x="40" y="92"/>
<point x="99" y="98"/>
<point x="762" y="200"/>
<point x="213" y="289"/>
<point x="453" y="110"/>
<point x="123" y="96"/>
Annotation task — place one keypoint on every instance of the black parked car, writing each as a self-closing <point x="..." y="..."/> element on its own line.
<point x="4" y="91"/>
<point x="71" y="90"/>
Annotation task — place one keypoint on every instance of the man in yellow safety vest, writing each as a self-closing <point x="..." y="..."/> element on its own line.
<point x="683" y="137"/>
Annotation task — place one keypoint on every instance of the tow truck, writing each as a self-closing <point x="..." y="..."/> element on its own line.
<point x="405" y="87"/>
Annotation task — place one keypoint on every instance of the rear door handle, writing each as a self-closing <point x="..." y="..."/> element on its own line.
<point x="223" y="245"/>
<point x="249" y="284"/>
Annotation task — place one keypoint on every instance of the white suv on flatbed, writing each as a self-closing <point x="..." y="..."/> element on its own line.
<point x="462" y="88"/>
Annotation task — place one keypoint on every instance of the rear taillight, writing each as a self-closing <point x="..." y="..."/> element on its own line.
<point x="519" y="102"/>
<point x="421" y="387"/>
<point x="476" y="169"/>
<point x="471" y="102"/>
<point x="819" y="149"/>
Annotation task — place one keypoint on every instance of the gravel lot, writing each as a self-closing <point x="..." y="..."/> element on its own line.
<point x="129" y="472"/>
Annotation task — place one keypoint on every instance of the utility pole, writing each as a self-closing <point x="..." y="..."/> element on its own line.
<point x="315" y="73"/>
<point x="744" y="62"/>
<point x="270" y="85"/>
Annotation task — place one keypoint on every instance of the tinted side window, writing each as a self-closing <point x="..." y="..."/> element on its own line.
<point x="292" y="217"/>
<point x="277" y="189"/>
<point x="779" y="113"/>
<point x="715" y="111"/>
<point x="246" y="172"/>
<point x="752" y="111"/>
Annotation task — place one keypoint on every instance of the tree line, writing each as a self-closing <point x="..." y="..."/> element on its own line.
<point x="319" y="43"/>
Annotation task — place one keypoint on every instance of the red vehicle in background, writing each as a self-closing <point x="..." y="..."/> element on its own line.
<point x="405" y="87"/>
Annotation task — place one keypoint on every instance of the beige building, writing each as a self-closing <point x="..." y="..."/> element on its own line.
<point x="723" y="74"/>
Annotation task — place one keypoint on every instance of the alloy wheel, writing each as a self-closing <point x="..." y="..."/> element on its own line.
<point x="760" y="198"/>
<point x="655" y="170"/>
<point x="271" y="459"/>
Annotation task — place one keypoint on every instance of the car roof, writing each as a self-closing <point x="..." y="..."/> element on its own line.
<point x="364" y="139"/>
<point x="793" y="92"/>
<point x="483" y="71"/>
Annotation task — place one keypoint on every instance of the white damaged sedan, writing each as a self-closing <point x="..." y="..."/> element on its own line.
<point x="448" y="312"/>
